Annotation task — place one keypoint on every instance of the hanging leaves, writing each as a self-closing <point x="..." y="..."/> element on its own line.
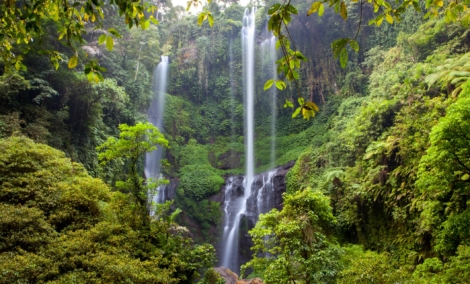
<point x="20" y="23"/>
<point x="205" y="15"/>
<point x="307" y="109"/>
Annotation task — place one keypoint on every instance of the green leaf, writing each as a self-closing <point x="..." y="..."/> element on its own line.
<point x="146" y="24"/>
<point x="354" y="45"/>
<point x="210" y="19"/>
<point x="343" y="10"/>
<point x="274" y="8"/>
<point x="321" y="9"/>
<point x="314" y="8"/>
<point x="465" y="177"/>
<point x="73" y="61"/>
<point x="292" y="9"/>
<point x="280" y="85"/>
<point x="102" y="39"/>
<point x="296" y="112"/>
<point x="114" y="32"/>
<point x="378" y="20"/>
<point x="268" y="84"/>
<point x="338" y="46"/>
<point x="288" y="104"/>
<point x="109" y="43"/>
<point x="301" y="101"/>
<point x="343" y="57"/>
<point x="389" y="18"/>
<point x="200" y="18"/>
<point x="295" y="74"/>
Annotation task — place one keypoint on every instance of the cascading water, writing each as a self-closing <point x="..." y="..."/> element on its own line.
<point x="155" y="116"/>
<point x="263" y="197"/>
<point x="231" y="231"/>
<point x="265" y="193"/>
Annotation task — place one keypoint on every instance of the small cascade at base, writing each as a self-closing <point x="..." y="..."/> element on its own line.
<point x="234" y="247"/>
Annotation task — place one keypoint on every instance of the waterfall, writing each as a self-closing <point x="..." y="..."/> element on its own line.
<point x="238" y="208"/>
<point x="155" y="116"/>
<point x="268" y="55"/>
<point x="236" y="204"/>
<point x="234" y="201"/>
<point x="248" y="49"/>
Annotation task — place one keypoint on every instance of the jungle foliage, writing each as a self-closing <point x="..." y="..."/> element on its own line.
<point x="60" y="225"/>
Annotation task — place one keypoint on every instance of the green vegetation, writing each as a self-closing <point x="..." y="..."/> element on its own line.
<point x="296" y="243"/>
<point x="58" y="225"/>
<point x="394" y="164"/>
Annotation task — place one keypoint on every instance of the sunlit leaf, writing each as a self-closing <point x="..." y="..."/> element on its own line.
<point x="268" y="84"/>
<point x="102" y="39"/>
<point x="321" y="10"/>
<point x="296" y="112"/>
<point x="314" y="8"/>
<point x="73" y="61"/>
<point x="109" y="43"/>
<point x="280" y="85"/>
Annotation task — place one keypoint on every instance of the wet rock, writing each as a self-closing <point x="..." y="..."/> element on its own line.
<point x="229" y="276"/>
<point x="170" y="189"/>
<point x="250" y="281"/>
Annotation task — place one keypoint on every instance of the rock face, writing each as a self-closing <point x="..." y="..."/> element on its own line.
<point x="170" y="189"/>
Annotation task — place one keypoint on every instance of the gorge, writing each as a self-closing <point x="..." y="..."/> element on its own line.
<point x="338" y="154"/>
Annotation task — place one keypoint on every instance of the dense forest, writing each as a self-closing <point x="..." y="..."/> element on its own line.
<point x="369" y="122"/>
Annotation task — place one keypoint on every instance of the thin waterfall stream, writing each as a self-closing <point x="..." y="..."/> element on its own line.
<point x="268" y="55"/>
<point x="155" y="116"/>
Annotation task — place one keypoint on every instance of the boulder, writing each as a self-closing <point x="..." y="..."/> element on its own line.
<point x="250" y="281"/>
<point x="229" y="276"/>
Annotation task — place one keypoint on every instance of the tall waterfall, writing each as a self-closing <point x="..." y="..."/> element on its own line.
<point x="236" y="209"/>
<point x="155" y="116"/>
<point x="248" y="48"/>
<point x="269" y="57"/>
